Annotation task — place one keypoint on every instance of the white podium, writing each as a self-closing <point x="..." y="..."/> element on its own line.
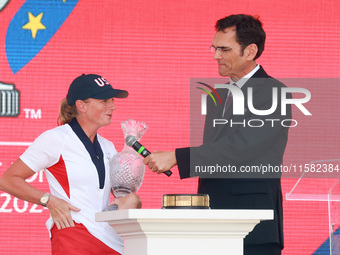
<point x="183" y="232"/>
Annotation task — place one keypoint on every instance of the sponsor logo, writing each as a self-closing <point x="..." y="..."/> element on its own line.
<point x="9" y="100"/>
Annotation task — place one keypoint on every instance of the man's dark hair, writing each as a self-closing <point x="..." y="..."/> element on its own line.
<point x="248" y="30"/>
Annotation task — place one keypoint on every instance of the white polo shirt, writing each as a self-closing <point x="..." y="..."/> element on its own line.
<point x="73" y="176"/>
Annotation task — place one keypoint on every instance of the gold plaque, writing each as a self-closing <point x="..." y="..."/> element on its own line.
<point x="185" y="201"/>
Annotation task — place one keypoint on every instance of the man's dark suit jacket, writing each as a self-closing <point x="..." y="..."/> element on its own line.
<point x="244" y="146"/>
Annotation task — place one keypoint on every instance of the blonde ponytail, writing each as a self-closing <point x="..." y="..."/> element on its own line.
<point x="66" y="112"/>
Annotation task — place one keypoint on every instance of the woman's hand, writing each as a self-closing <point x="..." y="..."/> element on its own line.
<point x="130" y="201"/>
<point x="13" y="182"/>
<point x="60" y="212"/>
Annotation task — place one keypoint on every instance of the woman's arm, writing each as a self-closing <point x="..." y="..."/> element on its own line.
<point x="13" y="182"/>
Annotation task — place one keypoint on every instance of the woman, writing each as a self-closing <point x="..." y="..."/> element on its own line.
<point x="76" y="160"/>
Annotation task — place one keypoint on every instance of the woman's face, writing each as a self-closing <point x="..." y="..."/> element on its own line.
<point x="99" y="111"/>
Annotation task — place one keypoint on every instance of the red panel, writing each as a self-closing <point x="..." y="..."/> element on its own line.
<point x="59" y="172"/>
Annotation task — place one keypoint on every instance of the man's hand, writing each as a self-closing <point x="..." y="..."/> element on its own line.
<point x="161" y="161"/>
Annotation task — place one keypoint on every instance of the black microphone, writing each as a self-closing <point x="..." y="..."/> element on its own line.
<point x="132" y="142"/>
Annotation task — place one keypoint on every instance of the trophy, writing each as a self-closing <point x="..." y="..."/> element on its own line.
<point x="126" y="167"/>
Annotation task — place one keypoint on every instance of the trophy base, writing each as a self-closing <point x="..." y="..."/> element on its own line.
<point x="185" y="201"/>
<point x="121" y="191"/>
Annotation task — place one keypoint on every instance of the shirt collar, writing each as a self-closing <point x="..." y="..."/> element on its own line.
<point x="245" y="78"/>
<point x="93" y="149"/>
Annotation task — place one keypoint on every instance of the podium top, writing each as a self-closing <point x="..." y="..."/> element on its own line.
<point x="185" y="214"/>
<point x="320" y="181"/>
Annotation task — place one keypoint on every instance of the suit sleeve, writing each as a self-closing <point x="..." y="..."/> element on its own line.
<point x="183" y="162"/>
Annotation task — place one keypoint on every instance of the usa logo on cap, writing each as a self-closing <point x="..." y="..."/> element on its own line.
<point x="101" y="81"/>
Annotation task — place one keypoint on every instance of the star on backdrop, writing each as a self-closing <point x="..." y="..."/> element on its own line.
<point x="34" y="24"/>
<point x="32" y="27"/>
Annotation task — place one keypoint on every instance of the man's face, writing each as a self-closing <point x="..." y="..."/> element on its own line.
<point x="231" y="62"/>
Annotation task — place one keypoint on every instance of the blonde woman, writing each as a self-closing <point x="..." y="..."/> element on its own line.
<point x="76" y="162"/>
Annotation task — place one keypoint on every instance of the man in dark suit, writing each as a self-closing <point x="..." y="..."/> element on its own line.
<point x="254" y="142"/>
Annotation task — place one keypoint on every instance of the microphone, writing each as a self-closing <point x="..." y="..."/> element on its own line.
<point x="132" y="142"/>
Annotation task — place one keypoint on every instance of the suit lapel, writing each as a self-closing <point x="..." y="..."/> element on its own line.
<point x="214" y="112"/>
<point x="253" y="82"/>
